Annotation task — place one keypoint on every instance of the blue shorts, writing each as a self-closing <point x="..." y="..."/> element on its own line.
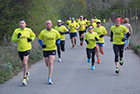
<point x="100" y="44"/>
<point x="73" y="35"/>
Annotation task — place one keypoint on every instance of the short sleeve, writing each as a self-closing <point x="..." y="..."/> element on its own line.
<point x="86" y="36"/>
<point x="57" y="35"/>
<point x="40" y="36"/>
<point x="126" y="30"/>
<point x="104" y="30"/>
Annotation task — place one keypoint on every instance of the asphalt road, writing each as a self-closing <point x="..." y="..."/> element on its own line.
<point x="74" y="76"/>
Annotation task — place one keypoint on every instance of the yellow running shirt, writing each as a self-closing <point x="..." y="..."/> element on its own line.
<point x="61" y="29"/>
<point x="82" y="25"/>
<point x="49" y="39"/>
<point x="73" y="27"/>
<point x="95" y="20"/>
<point x="68" y="23"/>
<point x="104" y="21"/>
<point x="101" y="30"/>
<point x="118" y="34"/>
<point x="23" y="44"/>
<point x="94" y="25"/>
<point x="90" y="37"/>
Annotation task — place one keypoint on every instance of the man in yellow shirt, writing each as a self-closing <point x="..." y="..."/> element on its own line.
<point x="101" y="31"/>
<point x="50" y="38"/>
<point x="68" y="22"/>
<point x="117" y="37"/>
<point x="104" y="21"/>
<point x="91" y="38"/>
<point x="95" y="19"/>
<point x="24" y="36"/>
<point x="92" y="23"/>
<point x="62" y="30"/>
<point x="73" y="32"/>
<point x="82" y="29"/>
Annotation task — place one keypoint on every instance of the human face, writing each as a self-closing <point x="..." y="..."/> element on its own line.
<point x="118" y="22"/>
<point x="92" y="21"/>
<point x="48" y="24"/>
<point x="59" y="23"/>
<point x="22" y="24"/>
<point x="69" y="18"/>
<point x="98" y="24"/>
<point x="90" y="29"/>
<point x="81" y="18"/>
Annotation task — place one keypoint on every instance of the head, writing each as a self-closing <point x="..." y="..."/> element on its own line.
<point x="118" y="22"/>
<point x="81" y="17"/>
<point x="59" y="22"/>
<point x="49" y="24"/>
<point x="95" y="17"/>
<point x="22" y="23"/>
<point x="126" y="20"/>
<point x="92" y="21"/>
<point x="98" y="23"/>
<point x="90" y="28"/>
<point x="72" y="19"/>
<point x="69" y="18"/>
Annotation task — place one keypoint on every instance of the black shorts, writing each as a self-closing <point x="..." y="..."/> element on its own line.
<point x="47" y="53"/>
<point x="81" y="32"/>
<point x="22" y="54"/>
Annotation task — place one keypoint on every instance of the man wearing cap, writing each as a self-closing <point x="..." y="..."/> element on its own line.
<point x="24" y="36"/>
<point x="117" y="37"/>
<point x="73" y="32"/>
<point x="50" y="38"/>
<point x="82" y="29"/>
<point x="101" y="31"/>
<point x="62" y="30"/>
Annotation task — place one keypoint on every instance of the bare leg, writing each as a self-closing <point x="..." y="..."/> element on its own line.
<point x="25" y="65"/>
<point x="97" y="52"/>
<point x="51" y="59"/>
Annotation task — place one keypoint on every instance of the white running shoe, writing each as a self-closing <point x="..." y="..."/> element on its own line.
<point x="27" y="76"/>
<point x="24" y="82"/>
<point x="59" y="60"/>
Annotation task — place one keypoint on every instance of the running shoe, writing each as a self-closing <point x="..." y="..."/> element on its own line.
<point x="73" y="47"/>
<point x="27" y="76"/>
<point x="75" y="42"/>
<point x="59" y="60"/>
<point x="98" y="61"/>
<point x="127" y="47"/>
<point x="102" y="53"/>
<point x="117" y="71"/>
<point x="24" y="82"/>
<point x="49" y="81"/>
<point x="121" y="62"/>
<point x="92" y="67"/>
<point x="88" y="60"/>
<point x="81" y="44"/>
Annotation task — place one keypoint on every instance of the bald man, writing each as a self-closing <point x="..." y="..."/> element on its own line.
<point x="50" y="38"/>
<point x="24" y="36"/>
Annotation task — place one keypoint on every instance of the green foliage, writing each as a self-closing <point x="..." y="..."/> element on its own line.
<point x="136" y="48"/>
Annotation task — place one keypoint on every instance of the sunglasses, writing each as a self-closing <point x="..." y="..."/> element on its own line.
<point x="90" y="28"/>
<point x="98" y="23"/>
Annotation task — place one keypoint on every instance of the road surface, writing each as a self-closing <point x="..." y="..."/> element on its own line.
<point x="74" y="76"/>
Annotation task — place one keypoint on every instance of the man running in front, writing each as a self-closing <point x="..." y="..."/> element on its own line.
<point x="24" y="36"/>
<point x="117" y="37"/>
<point x="101" y="31"/>
<point x="62" y="30"/>
<point x="50" y="37"/>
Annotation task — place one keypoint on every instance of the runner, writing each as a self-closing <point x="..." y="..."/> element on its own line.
<point x="92" y="23"/>
<point x="50" y="37"/>
<point x="127" y="25"/>
<point x="104" y="21"/>
<point x="95" y="19"/>
<point x="101" y="31"/>
<point x="24" y="36"/>
<point x="117" y="36"/>
<point x="73" y="32"/>
<point x="91" y="38"/>
<point x="62" y="30"/>
<point x="82" y="29"/>
<point x="68" y="22"/>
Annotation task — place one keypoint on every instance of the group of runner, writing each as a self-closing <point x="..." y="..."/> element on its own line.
<point x="54" y="39"/>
